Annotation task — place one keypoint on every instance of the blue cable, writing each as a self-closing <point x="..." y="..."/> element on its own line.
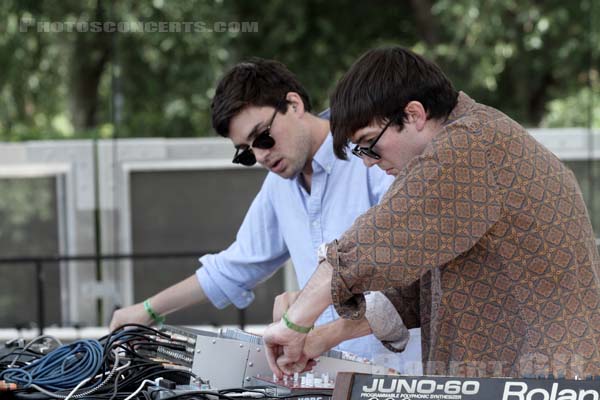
<point x="62" y="369"/>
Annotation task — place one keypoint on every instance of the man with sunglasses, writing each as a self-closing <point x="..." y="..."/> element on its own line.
<point x="488" y="222"/>
<point x="308" y="198"/>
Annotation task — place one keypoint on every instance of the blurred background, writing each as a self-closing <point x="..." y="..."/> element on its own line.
<point x="107" y="157"/>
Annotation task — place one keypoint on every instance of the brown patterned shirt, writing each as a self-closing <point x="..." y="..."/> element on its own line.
<point x="485" y="242"/>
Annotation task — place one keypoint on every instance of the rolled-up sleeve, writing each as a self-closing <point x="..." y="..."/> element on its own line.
<point x="257" y="253"/>
<point x="385" y="321"/>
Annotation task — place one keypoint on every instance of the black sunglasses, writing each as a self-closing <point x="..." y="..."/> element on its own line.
<point x="244" y="154"/>
<point x="368" y="151"/>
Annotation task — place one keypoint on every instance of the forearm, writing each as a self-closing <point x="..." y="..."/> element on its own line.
<point x="327" y="336"/>
<point x="181" y="295"/>
<point x="314" y="298"/>
<point x="176" y="297"/>
<point x="380" y="319"/>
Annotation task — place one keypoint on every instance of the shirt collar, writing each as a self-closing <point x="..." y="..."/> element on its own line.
<point x="463" y="105"/>
<point x="324" y="157"/>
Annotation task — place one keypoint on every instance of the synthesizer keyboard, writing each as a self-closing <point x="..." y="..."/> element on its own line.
<point x="388" y="387"/>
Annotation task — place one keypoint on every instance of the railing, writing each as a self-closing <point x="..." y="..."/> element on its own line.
<point x="40" y="262"/>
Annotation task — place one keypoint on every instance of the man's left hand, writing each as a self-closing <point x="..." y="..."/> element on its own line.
<point x="282" y="303"/>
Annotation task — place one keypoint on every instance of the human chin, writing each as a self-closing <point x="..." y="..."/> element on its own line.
<point x="384" y="166"/>
<point x="292" y="169"/>
<point x="390" y="170"/>
<point x="283" y="168"/>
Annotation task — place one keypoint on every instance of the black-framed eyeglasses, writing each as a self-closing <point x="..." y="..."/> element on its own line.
<point x="368" y="151"/>
<point x="244" y="154"/>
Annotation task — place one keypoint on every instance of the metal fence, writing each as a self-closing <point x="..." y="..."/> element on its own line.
<point x="39" y="264"/>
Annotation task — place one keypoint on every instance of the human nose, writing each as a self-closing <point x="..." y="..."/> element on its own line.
<point x="369" y="161"/>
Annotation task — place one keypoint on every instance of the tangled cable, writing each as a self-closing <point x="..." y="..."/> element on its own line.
<point x="61" y="369"/>
<point x="112" y="368"/>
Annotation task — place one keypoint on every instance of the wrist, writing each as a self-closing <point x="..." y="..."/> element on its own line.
<point x="300" y="316"/>
<point x="303" y="329"/>
<point x="152" y="314"/>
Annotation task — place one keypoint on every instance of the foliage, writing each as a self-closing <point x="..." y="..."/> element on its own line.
<point x="537" y="61"/>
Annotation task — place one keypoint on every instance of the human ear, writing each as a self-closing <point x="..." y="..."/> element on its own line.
<point x="295" y="102"/>
<point x="416" y="114"/>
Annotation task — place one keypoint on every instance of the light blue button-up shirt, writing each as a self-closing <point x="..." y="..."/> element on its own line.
<point x="286" y="221"/>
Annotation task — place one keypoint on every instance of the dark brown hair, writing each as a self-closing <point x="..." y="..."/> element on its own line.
<point x="256" y="82"/>
<point x="378" y="87"/>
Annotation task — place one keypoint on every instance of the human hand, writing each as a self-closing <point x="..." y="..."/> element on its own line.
<point x="135" y="314"/>
<point x="315" y="345"/>
<point x="282" y="303"/>
<point x="284" y="349"/>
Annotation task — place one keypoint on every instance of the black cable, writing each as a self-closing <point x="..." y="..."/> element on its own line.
<point x="141" y="327"/>
<point x="136" y="344"/>
<point x="115" y="386"/>
<point x="20" y="352"/>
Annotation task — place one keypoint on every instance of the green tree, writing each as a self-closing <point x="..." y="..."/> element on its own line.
<point x="537" y="61"/>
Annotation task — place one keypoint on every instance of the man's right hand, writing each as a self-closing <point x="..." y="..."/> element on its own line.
<point x="176" y="297"/>
<point x="283" y="348"/>
<point x="135" y="314"/>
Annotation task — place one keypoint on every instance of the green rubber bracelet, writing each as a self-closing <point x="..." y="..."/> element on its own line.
<point x="159" y="319"/>
<point x="293" y="326"/>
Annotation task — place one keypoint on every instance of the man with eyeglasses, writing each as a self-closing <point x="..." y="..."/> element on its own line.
<point x="488" y="222"/>
<point x="308" y="198"/>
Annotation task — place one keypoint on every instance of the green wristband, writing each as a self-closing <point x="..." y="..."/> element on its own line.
<point x="293" y="326"/>
<point x="159" y="319"/>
